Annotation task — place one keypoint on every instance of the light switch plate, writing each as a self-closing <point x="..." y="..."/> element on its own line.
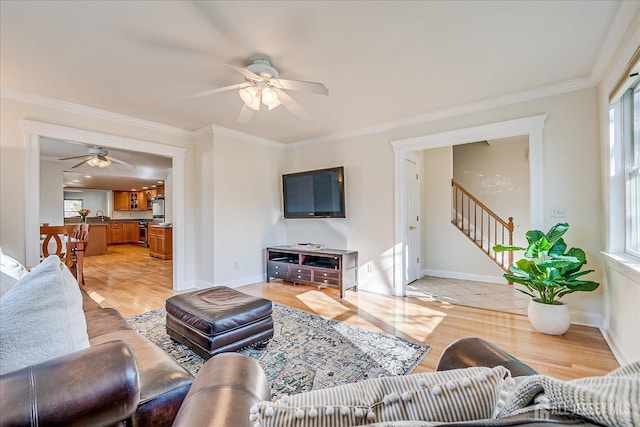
<point x="557" y="212"/>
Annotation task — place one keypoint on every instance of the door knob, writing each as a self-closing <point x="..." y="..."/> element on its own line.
<point x="411" y="228"/>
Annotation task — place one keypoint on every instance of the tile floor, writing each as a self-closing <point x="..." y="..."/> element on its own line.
<point x="493" y="296"/>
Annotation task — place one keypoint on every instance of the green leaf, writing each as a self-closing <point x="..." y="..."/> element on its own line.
<point x="556" y="263"/>
<point x="527" y="267"/>
<point x="558" y="248"/>
<point x="556" y="232"/>
<point x="577" y="253"/>
<point x="534" y="236"/>
<point x="538" y="249"/>
<point x="583" y="285"/>
<point x="504" y="248"/>
<point x="579" y="274"/>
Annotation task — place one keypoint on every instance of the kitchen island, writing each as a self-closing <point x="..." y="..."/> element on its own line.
<point x="160" y="241"/>
<point x="97" y="243"/>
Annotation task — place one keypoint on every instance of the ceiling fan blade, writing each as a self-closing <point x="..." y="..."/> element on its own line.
<point x="300" y="85"/>
<point x="293" y="106"/>
<point x="121" y="162"/>
<point x="81" y="163"/>
<point x="220" y="89"/>
<point x="245" y="72"/>
<point x="245" y="114"/>
<point x="74" y="157"/>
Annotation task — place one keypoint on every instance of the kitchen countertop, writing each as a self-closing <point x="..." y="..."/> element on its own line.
<point x="96" y="221"/>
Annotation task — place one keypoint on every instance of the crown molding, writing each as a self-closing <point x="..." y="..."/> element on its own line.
<point x="487" y="104"/>
<point x="121" y="118"/>
<point x="612" y="40"/>
<point x="245" y="136"/>
<point x="70" y="107"/>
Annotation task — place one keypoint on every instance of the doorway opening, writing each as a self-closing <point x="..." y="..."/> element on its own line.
<point x="531" y="127"/>
<point x="36" y="131"/>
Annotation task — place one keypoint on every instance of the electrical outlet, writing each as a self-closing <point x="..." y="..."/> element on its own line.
<point x="369" y="268"/>
<point x="557" y="212"/>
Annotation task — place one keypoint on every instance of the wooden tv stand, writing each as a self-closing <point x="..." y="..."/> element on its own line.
<point x="325" y="268"/>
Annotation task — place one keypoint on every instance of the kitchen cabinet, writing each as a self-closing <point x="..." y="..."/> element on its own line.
<point x="130" y="232"/>
<point x="115" y="233"/>
<point x="130" y="200"/>
<point x="160" y="242"/>
<point x="121" y="200"/>
<point x="122" y="232"/>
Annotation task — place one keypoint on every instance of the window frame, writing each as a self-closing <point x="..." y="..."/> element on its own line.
<point x="75" y="211"/>
<point x="624" y="134"/>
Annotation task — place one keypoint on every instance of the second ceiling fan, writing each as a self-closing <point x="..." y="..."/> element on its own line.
<point x="263" y="86"/>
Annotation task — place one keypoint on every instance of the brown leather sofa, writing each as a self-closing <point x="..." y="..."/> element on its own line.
<point x="122" y="379"/>
<point x="229" y="384"/>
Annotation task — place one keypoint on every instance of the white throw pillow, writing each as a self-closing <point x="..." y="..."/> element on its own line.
<point x="41" y="317"/>
<point x="6" y="283"/>
<point x="11" y="266"/>
<point x="447" y="396"/>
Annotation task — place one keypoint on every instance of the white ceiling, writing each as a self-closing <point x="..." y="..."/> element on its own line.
<point x="383" y="61"/>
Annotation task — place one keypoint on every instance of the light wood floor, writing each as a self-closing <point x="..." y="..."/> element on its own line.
<point x="130" y="281"/>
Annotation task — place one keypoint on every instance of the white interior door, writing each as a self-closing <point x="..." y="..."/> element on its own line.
<point x="412" y="220"/>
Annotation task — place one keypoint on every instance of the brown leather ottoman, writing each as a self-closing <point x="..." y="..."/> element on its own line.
<point x="219" y="319"/>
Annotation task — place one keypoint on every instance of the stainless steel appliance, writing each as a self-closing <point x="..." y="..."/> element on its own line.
<point x="157" y="206"/>
<point x="143" y="234"/>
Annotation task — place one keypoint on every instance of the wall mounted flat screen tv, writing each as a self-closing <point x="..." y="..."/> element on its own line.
<point x="314" y="194"/>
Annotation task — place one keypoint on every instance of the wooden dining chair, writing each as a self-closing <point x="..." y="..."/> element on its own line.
<point x="58" y="240"/>
<point x="80" y="238"/>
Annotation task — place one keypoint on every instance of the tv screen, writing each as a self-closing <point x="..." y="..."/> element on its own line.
<point x="314" y="194"/>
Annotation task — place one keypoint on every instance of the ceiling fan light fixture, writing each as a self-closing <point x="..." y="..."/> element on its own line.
<point x="98" y="162"/>
<point x="269" y="96"/>
<point x="251" y="97"/>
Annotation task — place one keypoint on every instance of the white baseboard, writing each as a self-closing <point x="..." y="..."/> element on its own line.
<point x="236" y="283"/>
<point x="617" y="351"/>
<point x="585" y="318"/>
<point x="462" y="276"/>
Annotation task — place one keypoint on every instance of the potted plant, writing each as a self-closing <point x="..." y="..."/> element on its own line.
<point x="549" y="271"/>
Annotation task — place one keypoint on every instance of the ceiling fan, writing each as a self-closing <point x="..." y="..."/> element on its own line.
<point x="97" y="157"/>
<point x="263" y="86"/>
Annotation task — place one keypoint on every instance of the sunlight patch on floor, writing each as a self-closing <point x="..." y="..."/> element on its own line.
<point x="322" y="303"/>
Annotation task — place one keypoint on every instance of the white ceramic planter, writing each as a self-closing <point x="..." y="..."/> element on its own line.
<point x="551" y="319"/>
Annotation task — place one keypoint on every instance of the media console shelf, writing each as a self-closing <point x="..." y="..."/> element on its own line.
<point x="325" y="268"/>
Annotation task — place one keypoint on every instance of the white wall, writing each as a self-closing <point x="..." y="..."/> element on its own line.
<point x="498" y="175"/>
<point x="203" y="189"/>
<point x="368" y="226"/>
<point x="446" y="252"/>
<point x="243" y="191"/>
<point x="51" y="193"/>
<point x="94" y="200"/>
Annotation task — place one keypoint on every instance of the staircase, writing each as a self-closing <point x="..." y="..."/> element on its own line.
<point x="481" y="225"/>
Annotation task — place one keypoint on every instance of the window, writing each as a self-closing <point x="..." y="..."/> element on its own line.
<point x="71" y="207"/>
<point x="624" y="121"/>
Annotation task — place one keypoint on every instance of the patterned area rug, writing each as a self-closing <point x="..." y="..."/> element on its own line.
<point x="307" y="352"/>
